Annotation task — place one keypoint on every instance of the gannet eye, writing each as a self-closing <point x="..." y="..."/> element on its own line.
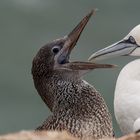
<point x="132" y="40"/>
<point x="56" y="49"/>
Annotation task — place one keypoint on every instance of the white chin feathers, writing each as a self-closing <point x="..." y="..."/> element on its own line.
<point x="136" y="52"/>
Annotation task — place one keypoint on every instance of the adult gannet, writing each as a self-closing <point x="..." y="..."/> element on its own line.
<point x="127" y="92"/>
<point x="77" y="107"/>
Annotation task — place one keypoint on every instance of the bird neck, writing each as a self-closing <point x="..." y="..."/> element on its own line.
<point x="131" y="71"/>
<point x="68" y="96"/>
<point x="56" y="87"/>
<point x="127" y="86"/>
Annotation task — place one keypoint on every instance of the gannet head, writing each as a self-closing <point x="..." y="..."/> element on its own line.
<point x="129" y="45"/>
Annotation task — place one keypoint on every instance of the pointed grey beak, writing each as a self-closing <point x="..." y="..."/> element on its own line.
<point x="121" y="48"/>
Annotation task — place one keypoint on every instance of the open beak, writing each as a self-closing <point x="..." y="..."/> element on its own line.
<point x="70" y="42"/>
<point x="121" y="48"/>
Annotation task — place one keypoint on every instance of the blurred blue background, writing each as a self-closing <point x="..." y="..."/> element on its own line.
<point x="26" y="25"/>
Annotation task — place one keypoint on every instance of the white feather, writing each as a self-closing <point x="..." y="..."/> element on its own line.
<point x="127" y="97"/>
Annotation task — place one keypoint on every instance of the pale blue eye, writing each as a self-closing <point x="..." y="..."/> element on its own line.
<point x="132" y="40"/>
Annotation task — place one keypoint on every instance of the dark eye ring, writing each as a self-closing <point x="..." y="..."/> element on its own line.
<point x="55" y="49"/>
<point x="132" y="40"/>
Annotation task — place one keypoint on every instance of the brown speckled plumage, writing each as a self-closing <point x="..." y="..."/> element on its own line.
<point x="76" y="105"/>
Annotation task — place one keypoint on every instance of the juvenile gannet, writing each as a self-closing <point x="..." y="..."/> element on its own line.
<point x="127" y="92"/>
<point x="77" y="107"/>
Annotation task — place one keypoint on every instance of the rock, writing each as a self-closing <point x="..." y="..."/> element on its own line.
<point x="54" y="135"/>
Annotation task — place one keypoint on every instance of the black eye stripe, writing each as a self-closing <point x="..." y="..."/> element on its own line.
<point x="130" y="40"/>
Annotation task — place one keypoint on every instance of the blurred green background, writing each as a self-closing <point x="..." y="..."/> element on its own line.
<point x="26" y="25"/>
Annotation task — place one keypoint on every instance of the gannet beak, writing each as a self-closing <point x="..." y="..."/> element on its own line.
<point x="121" y="48"/>
<point x="72" y="38"/>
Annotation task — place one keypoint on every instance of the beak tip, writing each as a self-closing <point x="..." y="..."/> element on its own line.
<point x="92" y="12"/>
<point x="91" y="58"/>
<point x="114" y="66"/>
<point x="110" y="66"/>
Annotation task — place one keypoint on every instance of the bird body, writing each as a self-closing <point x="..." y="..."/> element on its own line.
<point x="74" y="109"/>
<point x="75" y="105"/>
<point x="127" y="91"/>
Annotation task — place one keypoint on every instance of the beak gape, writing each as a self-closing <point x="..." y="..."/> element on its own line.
<point x="70" y="42"/>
